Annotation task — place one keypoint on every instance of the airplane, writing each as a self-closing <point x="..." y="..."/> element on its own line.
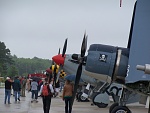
<point x="94" y="89"/>
<point x="122" y="65"/>
<point x="69" y="66"/>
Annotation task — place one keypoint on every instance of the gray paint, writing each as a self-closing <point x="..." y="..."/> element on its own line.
<point x="140" y="42"/>
<point x="71" y="68"/>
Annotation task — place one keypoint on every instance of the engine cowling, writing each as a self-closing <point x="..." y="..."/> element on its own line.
<point x="107" y="63"/>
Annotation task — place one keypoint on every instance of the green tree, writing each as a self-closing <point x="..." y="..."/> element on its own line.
<point x="5" y="59"/>
<point x="12" y="71"/>
<point x="28" y="65"/>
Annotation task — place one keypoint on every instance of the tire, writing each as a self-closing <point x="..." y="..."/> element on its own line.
<point x="112" y="107"/>
<point x="120" y="109"/>
<point x="81" y="98"/>
<point x="101" y="105"/>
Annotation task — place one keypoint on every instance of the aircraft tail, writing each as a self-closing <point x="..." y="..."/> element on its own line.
<point x="131" y="28"/>
<point x="139" y="41"/>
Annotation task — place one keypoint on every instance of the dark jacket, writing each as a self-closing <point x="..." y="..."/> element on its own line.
<point x="8" y="84"/>
<point x="16" y="85"/>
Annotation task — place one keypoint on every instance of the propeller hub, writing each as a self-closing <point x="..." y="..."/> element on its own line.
<point x="75" y="56"/>
<point x="58" y="59"/>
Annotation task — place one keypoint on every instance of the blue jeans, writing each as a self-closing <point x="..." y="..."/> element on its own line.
<point x="17" y="95"/>
<point x="7" y="94"/>
<point x="34" y="94"/>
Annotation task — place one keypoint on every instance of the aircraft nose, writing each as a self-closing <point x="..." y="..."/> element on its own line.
<point x="58" y="59"/>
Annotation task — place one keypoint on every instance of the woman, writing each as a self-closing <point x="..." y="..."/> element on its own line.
<point x="67" y="96"/>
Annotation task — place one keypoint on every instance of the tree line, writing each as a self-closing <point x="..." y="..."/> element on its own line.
<point x="11" y="65"/>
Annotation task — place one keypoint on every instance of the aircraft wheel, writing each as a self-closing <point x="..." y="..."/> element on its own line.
<point x="112" y="107"/>
<point x="81" y="98"/>
<point x="121" y="109"/>
<point x="101" y="105"/>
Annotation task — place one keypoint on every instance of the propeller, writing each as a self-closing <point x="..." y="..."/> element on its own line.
<point x="52" y="62"/>
<point x="79" y="70"/>
<point x="59" y="60"/>
<point x="64" y="48"/>
<point x="59" y="51"/>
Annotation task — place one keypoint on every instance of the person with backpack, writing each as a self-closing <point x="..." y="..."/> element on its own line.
<point x="46" y="92"/>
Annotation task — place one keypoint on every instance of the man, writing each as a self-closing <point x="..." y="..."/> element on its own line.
<point x="23" y="86"/>
<point x="8" y="84"/>
<point x="34" y="90"/>
<point x="17" y="88"/>
<point x="47" y="99"/>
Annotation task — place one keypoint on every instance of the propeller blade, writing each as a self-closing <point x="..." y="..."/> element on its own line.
<point x="84" y="45"/>
<point x="52" y="63"/>
<point x="79" y="70"/>
<point x="54" y="69"/>
<point x="78" y="76"/>
<point x="54" y="82"/>
<point x="58" y="74"/>
<point x="59" y="51"/>
<point x="64" y="48"/>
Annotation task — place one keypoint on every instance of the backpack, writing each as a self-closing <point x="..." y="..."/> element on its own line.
<point x="46" y="90"/>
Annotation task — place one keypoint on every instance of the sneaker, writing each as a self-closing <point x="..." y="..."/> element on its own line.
<point x="19" y="99"/>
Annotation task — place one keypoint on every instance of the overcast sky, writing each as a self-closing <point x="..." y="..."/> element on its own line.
<point x="39" y="28"/>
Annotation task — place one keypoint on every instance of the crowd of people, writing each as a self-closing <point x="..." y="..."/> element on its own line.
<point x="17" y="87"/>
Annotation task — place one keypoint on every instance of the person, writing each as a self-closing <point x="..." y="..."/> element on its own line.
<point x="47" y="99"/>
<point x="57" y="86"/>
<point x="7" y="90"/>
<point x="40" y="84"/>
<point x="17" y="88"/>
<point x="23" y="86"/>
<point x="34" y="90"/>
<point x="28" y="84"/>
<point x="67" y="96"/>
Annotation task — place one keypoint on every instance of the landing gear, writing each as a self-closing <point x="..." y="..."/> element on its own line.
<point x="101" y="99"/>
<point x="113" y="106"/>
<point x="80" y="98"/>
<point x="101" y="105"/>
<point x="120" y="109"/>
